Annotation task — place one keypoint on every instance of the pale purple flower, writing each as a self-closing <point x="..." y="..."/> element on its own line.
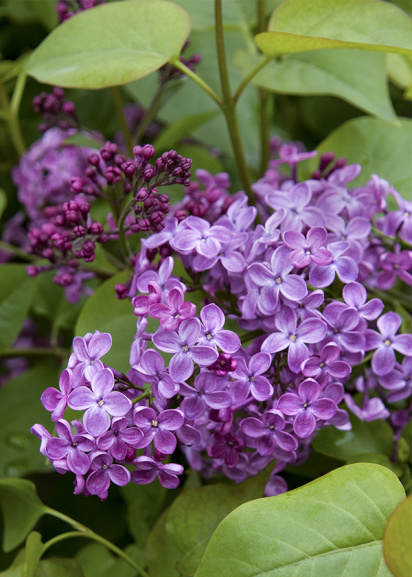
<point x="386" y="342"/>
<point x="398" y="381"/>
<point x="213" y="321"/>
<point x="230" y="258"/>
<point x="148" y="469"/>
<point x="395" y="265"/>
<point x="306" y="406"/>
<point x="174" y="312"/>
<point x="163" y="278"/>
<point x="296" y="202"/>
<point x="337" y="197"/>
<point x="157" y="427"/>
<point x="195" y="234"/>
<point x="344" y="266"/>
<point x="56" y="401"/>
<point x="325" y="365"/>
<point x="70" y="447"/>
<point x="398" y="221"/>
<point x="309" y="249"/>
<point x="100" y="402"/>
<point x="355" y="296"/>
<point x="276" y="280"/>
<point x="294" y="337"/>
<point x="205" y="393"/>
<point x="371" y="409"/>
<point x="186" y="351"/>
<point x="249" y="379"/>
<point x="88" y="352"/>
<point x="345" y="328"/>
<point x="152" y="370"/>
<point x="117" y="439"/>
<point x="104" y="472"/>
<point x="269" y="432"/>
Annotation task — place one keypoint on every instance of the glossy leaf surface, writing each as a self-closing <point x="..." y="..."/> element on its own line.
<point x="332" y="526"/>
<point x="397" y="540"/>
<point x="110" y="45"/>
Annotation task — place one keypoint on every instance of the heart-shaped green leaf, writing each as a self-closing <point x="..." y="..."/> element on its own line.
<point x="21" y="510"/>
<point x="332" y="526"/>
<point x="397" y="540"/>
<point x="306" y="25"/>
<point x="112" y="44"/>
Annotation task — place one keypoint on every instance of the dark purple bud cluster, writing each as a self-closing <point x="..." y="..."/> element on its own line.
<point x="56" y="110"/>
<point x="68" y="8"/>
<point x="326" y="168"/>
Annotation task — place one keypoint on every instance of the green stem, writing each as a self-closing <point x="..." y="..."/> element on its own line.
<point x="392" y="297"/>
<point x="124" y="245"/>
<point x="265" y="103"/>
<point x="142" y="396"/>
<point x="17" y="251"/>
<point x="83" y="531"/>
<point x="250" y="336"/>
<point x="229" y="106"/>
<point x="35" y="352"/>
<point x="183" y="68"/>
<point x="118" y="103"/>
<point x="249" y="77"/>
<point x="391" y="239"/>
<point x="11" y="110"/>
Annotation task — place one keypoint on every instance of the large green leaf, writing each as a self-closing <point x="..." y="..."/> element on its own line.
<point x="96" y="560"/>
<point x="161" y="553"/>
<point x="16" y="292"/>
<point x="33" y="552"/>
<point x="338" y="73"/>
<point x="332" y="526"/>
<point x="106" y="313"/>
<point x="307" y="25"/>
<point x="112" y="44"/>
<point x="381" y="148"/>
<point x="397" y="540"/>
<point x="20" y="409"/>
<point x="373" y="437"/>
<point x="21" y="510"/>
<point x="194" y="516"/>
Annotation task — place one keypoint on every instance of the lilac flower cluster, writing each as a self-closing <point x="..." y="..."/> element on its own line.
<point x="305" y="289"/>
<point x="57" y="111"/>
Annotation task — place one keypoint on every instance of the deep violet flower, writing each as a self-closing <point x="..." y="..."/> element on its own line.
<point x="116" y="440"/>
<point x="152" y="370"/>
<point x="386" y="342"/>
<point x="306" y="406"/>
<point x="213" y="321"/>
<point x="157" y="427"/>
<point x="56" y="401"/>
<point x="248" y="378"/>
<point x="87" y="352"/>
<point x="99" y="402"/>
<point x="398" y="381"/>
<point x="326" y="365"/>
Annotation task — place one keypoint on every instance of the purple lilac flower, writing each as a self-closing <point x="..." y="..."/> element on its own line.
<point x="337" y="197"/>
<point x="306" y="406"/>
<point x="152" y="370"/>
<point x="229" y="257"/>
<point x="395" y="265"/>
<point x="204" y="394"/>
<point x="104" y="472"/>
<point x="186" y="351"/>
<point x="70" y="447"/>
<point x="148" y="469"/>
<point x="162" y="278"/>
<point x="345" y="267"/>
<point x="87" y="352"/>
<point x="296" y="202"/>
<point x="249" y="379"/>
<point x="269" y="432"/>
<point x="386" y="342"/>
<point x="372" y="408"/>
<point x="398" y="221"/>
<point x="195" y="234"/>
<point x="226" y="446"/>
<point x="326" y="365"/>
<point x="309" y="249"/>
<point x="398" y="381"/>
<point x="345" y="328"/>
<point x="157" y="427"/>
<point x="99" y="402"/>
<point x="294" y="337"/>
<point x="117" y="439"/>
<point x="355" y="296"/>
<point x="213" y="321"/>
<point x="174" y="312"/>
<point x="276" y="280"/>
<point x="56" y="401"/>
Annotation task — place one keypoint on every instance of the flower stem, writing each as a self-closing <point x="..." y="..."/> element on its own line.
<point x="229" y="106"/>
<point x="83" y="531"/>
<point x="183" y="68"/>
<point x="11" y="112"/>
